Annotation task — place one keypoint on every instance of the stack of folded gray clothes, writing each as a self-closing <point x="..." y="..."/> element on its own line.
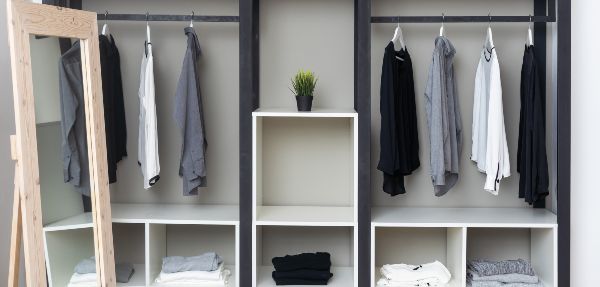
<point x="506" y="273"/>
<point x="203" y="270"/>
<point x="85" y="273"/>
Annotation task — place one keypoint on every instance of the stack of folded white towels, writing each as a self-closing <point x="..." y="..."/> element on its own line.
<point x="506" y="273"/>
<point x="85" y="273"/>
<point x="405" y="275"/>
<point x="202" y="270"/>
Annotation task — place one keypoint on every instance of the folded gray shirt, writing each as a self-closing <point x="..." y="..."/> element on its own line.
<point x="500" y="284"/>
<point x="124" y="271"/>
<point x="504" y="278"/>
<point x="205" y="262"/>
<point x="488" y="268"/>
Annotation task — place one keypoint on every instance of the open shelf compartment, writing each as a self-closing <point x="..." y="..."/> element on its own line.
<point x="308" y="177"/>
<point x="66" y="247"/>
<point x="190" y="240"/>
<point x="537" y="245"/>
<point x="277" y="241"/>
<point x="412" y="245"/>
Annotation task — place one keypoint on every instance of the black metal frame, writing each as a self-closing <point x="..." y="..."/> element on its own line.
<point x="249" y="101"/>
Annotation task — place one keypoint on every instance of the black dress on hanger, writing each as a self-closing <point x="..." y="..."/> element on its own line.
<point x="399" y="139"/>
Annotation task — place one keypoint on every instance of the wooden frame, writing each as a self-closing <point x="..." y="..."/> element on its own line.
<point x="24" y="19"/>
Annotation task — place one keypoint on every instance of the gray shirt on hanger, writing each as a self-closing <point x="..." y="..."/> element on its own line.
<point x="443" y="118"/>
<point x="72" y="110"/>
<point x="189" y="117"/>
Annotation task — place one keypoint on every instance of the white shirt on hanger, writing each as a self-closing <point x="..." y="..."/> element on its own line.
<point x="489" y="149"/>
<point x="148" y="137"/>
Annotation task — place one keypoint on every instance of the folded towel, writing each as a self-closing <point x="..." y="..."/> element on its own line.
<point x="192" y="275"/>
<point x="504" y="278"/>
<point x="427" y="282"/>
<point x="488" y="268"/>
<point x="412" y="273"/>
<point x="83" y="280"/>
<point x="292" y="281"/>
<point x="124" y="271"/>
<point x="312" y="261"/>
<point x="205" y="262"/>
<point x="193" y="278"/>
<point x="303" y="274"/>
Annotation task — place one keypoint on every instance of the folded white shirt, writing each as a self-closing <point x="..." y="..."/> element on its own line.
<point x="412" y="273"/>
<point x="83" y="280"/>
<point x="219" y="277"/>
<point x="427" y="282"/>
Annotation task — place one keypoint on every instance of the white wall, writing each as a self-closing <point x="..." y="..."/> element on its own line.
<point x="585" y="229"/>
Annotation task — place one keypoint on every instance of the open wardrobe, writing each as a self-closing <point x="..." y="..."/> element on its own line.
<point x="259" y="143"/>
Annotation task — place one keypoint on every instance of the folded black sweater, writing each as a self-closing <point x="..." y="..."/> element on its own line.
<point x="292" y="281"/>
<point x="311" y="261"/>
<point x="305" y="274"/>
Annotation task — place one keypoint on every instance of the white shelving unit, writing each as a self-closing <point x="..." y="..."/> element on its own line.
<point x="163" y="230"/>
<point x="454" y="235"/>
<point x="305" y="189"/>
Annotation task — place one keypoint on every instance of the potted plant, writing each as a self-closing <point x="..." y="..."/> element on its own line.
<point x="303" y="84"/>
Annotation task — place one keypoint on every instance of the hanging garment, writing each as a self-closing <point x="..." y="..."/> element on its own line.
<point x="189" y="116"/>
<point x="489" y="149"/>
<point x="443" y="118"/>
<point x="532" y="163"/>
<point x="114" y="108"/>
<point x="148" y="137"/>
<point x="72" y="111"/>
<point x="399" y="140"/>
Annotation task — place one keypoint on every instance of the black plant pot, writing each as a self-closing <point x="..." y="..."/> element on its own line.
<point x="304" y="103"/>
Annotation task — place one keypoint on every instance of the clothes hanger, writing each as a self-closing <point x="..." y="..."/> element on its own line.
<point x="398" y="38"/>
<point x="529" y="33"/>
<point x="442" y="28"/>
<point x="105" y="30"/>
<point x="148" y="42"/>
<point x="192" y="20"/>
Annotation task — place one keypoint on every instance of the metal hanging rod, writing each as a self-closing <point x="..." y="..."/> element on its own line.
<point x="461" y="19"/>
<point x="166" y="18"/>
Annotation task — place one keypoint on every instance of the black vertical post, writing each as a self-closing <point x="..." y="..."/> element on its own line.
<point x="249" y="101"/>
<point x="563" y="59"/>
<point x="539" y="39"/>
<point x="362" y="104"/>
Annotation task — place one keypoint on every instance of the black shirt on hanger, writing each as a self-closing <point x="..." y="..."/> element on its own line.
<point x="532" y="163"/>
<point x="114" y="108"/>
<point x="399" y="139"/>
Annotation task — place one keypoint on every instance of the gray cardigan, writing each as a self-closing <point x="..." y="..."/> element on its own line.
<point x="189" y="117"/>
<point x="443" y="118"/>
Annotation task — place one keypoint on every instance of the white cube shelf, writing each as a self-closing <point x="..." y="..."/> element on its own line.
<point x="420" y="235"/>
<point x="189" y="240"/>
<point x="305" y="167"/>
<point x="144" y="234"/>
<point x="276" y="241"/>
<point x="66" y="247"/>
<point x="537" y="245"/>
<point x="412" y="245"/>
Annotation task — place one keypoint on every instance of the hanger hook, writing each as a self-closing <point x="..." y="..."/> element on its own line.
<point x="105" y="16"/>
<point x="192" y="19"/>
<point x="147" y="16"/>
<point x="443" y="18"/>
<point x="490" y="18"/>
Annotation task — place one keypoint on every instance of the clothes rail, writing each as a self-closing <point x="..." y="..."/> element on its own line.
<point x="462" y="19"/>
<point x="165" y="18"/>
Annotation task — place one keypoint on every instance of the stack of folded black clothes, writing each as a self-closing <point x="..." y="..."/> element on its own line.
<point x="303" y="269"/>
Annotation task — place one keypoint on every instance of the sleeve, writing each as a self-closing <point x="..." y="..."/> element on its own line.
<point x="433" y="94"/>
<point x="497" y="165"/>
<point x="387" y="136"/>
<point x="68" y="107"/>
<point x="540" y="160"/>
<point x="152" y="159"/>
<point x="476" y="111"/>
